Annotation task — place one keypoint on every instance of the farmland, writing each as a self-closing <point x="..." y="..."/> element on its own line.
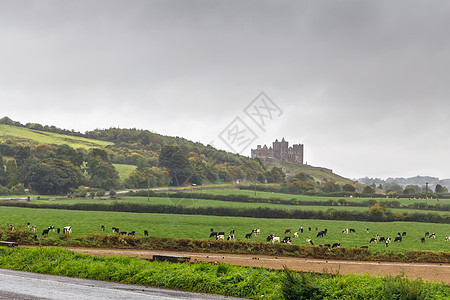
<point x="192" y="202"/>
<point x="197" y="227"/>
<point x="29" y="136"/>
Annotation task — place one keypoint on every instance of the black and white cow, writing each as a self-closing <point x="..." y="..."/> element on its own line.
<point x="67" y="230"/>
<point x="336" y="245"/>
<point x="146" y="232"/>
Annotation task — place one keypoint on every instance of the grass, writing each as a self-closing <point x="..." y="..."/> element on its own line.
<point x="235" y="281"/>
<point x="124" y="170"/>
<point x="403" y="201"/>
<point x="212" y="203"/>
<point x="198" y="227"/>
<point x="29" y="136"/>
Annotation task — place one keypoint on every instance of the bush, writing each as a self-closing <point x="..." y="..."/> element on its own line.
<point x="294" y="288"/>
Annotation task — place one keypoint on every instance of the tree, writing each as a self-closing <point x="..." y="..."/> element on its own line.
<point x="348" y="188"/>
<point x="2" y="171"/>
<point x="330" y="187"/>
<point x="412" y="190"/>
<point x="102" y="174"/>
<point x="440" y="189"/>
<point x="174" y="160"/>
<point x="368" y="190"/>
<point x="393" y="187"/>
<point x="303" y="176"/>
<point x="12" y="173"/>
<point x="54" y="176"/>
<point x="275" y="175"/>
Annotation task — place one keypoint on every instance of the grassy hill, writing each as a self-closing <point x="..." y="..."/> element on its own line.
<point x="33" y="137"/>
<point x="318" y="173"/>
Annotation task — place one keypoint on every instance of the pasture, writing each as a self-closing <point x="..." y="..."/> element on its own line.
<point x="192" y="202"/>
<point x="269" y="195"/>
<point x="198" y="227"/>
<point x="124" y="170"/>
<point x="26" y="135"/>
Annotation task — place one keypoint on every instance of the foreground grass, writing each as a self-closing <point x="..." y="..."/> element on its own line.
<point x="198" y="227"/>
<point x="236" y="281"/>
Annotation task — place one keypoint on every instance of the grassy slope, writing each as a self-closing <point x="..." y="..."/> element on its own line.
<point x="28" y="136"/>
<point x="317" y="174"/>
<point x="124" y="170"/>
<point x="197" y="227"/>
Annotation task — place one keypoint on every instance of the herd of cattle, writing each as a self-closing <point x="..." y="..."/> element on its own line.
<point x="220" y="235"/>
<point x="271" y="238"/>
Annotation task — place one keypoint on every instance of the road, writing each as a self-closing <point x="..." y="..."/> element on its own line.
<point x="30" y="286"/>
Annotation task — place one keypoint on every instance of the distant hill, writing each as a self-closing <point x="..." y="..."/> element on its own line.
<point x="416" y="180"/>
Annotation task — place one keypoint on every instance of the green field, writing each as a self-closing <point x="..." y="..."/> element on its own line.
<point x="25" y="135"/>
<point x="268" y="195"/>
<point x="124" y="170"/>
<point x="190" y="202"/>
<point x="198" y="227"/>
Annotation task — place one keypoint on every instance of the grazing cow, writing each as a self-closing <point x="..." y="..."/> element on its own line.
<point x="388" y="240"/>
<point x="256" y="231"/>
<point x="115" y="230"/>
<point x="287" y="240"/>
<point x="231" y="237"/>
<point x="345" y="230"/>
<point x="270" y="237"/>
<point x="248" y="235"/>
<point x="321" y="233"/>
<point x="427" y="234"/>
<point x="287" y="231"/>
<point x="381" y="239"/>
<point x="275" y="239"/>
<point x="367" y="230"/>
<point x="404" y="233"/>
<point x="373" y="240"/>
<point x="213" y="233"/>
<point x="67" y="230"/>
<point x="11" y="227"/>
<point x="28" y="225"/>
<point x="398" y="239"/>
<point x="58" y="230"/>
<point x="220" y="237"/>
<point x="432" y="236"/>
<point x="295" y="234"/>
<point x="103" y="227"/>
<point x="352" y="230"/>
<point x="221" y="233"/>
<point x="309" y="228"/>
<point x="133" y="233"/>
<point x="364" y="247"/>
<point x="316" y="228"/>
<point x="327" y="245"/>
<point x="336" y="245"/>
<point x="232" y="232"/>
<point x="123" y="233"/>
<point x="309" y="241"/>
<point x="447" y="239"/>
<point x="44" y="232"/>
<point x="301" y="229"/>
<point x="386" y="244"/>
<point x="52" y="228"/>
<point x="33" y="228"/>
<point x="422" y="240"/>
<point x="145" y="232"/>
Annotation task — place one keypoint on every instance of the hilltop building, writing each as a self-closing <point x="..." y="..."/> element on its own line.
<point x="280" y="152"/>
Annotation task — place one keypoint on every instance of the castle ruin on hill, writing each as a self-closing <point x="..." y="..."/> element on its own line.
<point x="280" y="152"/>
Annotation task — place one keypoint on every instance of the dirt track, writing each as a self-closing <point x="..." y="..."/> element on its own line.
<point x="426" y="271"/>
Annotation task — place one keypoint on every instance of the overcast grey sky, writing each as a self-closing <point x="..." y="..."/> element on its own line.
<point x="364" y="85"/>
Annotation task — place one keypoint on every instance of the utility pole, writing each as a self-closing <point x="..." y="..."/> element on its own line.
<point x="426" y="190"/>
<point x="148" y="189"/>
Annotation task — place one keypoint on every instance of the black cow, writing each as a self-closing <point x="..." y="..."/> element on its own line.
<point x="382" y="239"/>
<point x="427" y="234"/>
<point x="123" y="233"/>
<point x="398" y="239"/>
<point x="44" y="232"/>
<point x="232" y="232"/>
<point x="103" y="227"/>
<point x="321" y="233"/>
<point x="422" y="240"/>
<point x="221" y="233"/>
<point x="248" y="235"/>
<point x="309" y="228"/>
<point x="373" y="240"/>
<point x="364" y="247"/>
<point x="287" y="240"/>
<point x="145" y="232"/>
<point x="213" y="233"/>
<point x="301" y="229"/>
<point x="404" y="233"/>
<point x="133" y="233"/>
<point x="115" y="230"/>
<point x="336" y="245"/>
<point x="352" y="230"/>
<point x="58" y="230"/>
